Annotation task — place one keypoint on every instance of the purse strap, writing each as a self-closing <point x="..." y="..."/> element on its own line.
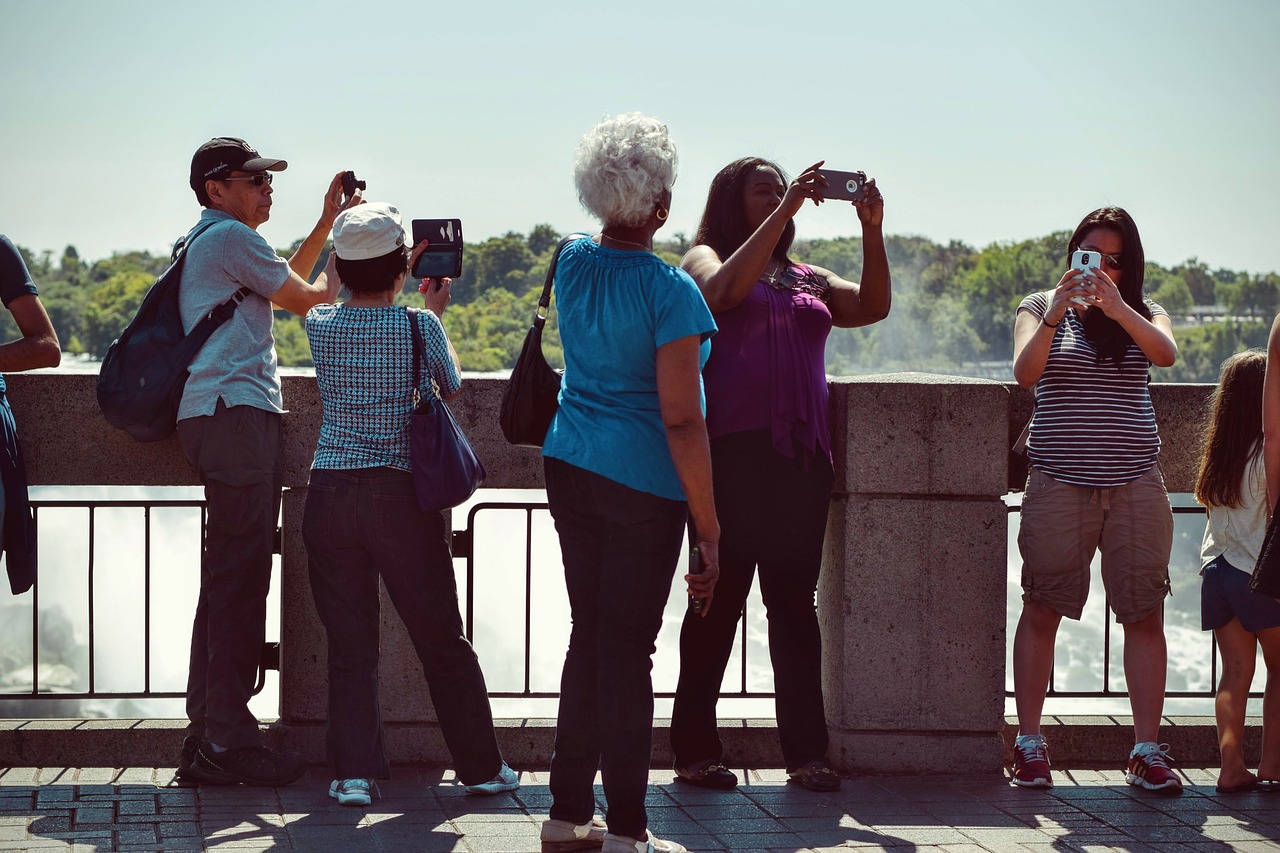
<point x="544" y="301"/>
<point x="415" y="332"/>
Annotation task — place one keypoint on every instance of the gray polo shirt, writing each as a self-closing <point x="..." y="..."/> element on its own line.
<point x="238" y="362"/>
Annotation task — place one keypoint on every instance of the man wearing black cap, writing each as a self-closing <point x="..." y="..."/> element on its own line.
<point x="229" y="424"/>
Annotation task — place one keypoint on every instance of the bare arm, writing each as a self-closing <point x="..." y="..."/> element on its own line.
<point x="436" y="293"/>
<point x="1154" y="337"/>
<point x="304" y="259"/>
<point x="38" y="346"/>
<point x="1271" y="415"/>
<point x="297" y="295"/>
<point x="1033" y="337"/>
<point x="867" y="302"/>
<point x="680" y="401"/>
<point x="725" y="282"/>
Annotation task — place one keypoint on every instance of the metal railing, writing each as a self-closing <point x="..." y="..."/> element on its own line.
<point x="463" y="542"/>
<point x="92" y="692"/>
<point x="1107" y="690"/>
<point x="463" y="548"/>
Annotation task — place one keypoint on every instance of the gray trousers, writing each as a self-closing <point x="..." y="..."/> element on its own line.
<point x="236" y="452"/>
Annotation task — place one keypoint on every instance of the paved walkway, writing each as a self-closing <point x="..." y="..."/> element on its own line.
<point x="422" y="810"/>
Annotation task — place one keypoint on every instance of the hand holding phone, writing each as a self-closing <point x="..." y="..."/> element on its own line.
<point x="1087" y="261"/>
<point x="845" y="186"/>
<point x="696" y="567"/>
<point x="443" y="256"/>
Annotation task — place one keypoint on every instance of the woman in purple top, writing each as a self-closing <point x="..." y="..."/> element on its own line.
<point x="766" y="388"/>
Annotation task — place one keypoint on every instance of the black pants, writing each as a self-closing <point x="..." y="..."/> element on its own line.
<point x="620" y="547"/>
<point x="360" y="524"/>
<point x="236" y="452"/>
<point x="773" y="516"/>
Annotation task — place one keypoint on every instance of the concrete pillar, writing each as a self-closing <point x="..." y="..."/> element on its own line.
<point x="912" y="595"/>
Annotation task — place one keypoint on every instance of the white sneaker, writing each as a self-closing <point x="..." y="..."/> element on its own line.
<point x="350" y="792"/>
<point x="506" y="780"/>
<point x="561" y="836"/>
<point x="622" y="844"/>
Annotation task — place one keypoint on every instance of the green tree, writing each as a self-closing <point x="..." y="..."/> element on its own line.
<point x="1201" y="284"/>
<point x="111" y="306"/>
<point x="1173" y="295"/>
<point x="1255" y="296"/>
<point x="499" y="262"/>
<point x="542" y="238"/>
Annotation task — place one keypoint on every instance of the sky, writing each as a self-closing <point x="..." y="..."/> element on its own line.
<point x="982" y="120"/>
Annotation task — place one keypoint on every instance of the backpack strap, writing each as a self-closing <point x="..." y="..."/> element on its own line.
<point x="220" y="313"/>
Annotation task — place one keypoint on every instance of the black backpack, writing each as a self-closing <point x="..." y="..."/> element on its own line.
<point x="145" y="369"/>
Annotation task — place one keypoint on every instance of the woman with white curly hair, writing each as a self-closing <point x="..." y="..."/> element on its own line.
<point x="627" y="464"/>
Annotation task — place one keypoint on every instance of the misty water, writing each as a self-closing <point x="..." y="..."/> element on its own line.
<point x="119" y="637"/>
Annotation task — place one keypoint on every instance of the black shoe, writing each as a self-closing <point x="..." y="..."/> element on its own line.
<point x="249" y="765"/>
<point x="708" y="773"/>
<point x="816" y="776"/>
<point x="189" y="746"/>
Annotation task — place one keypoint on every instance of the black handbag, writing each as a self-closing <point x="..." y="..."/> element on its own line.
<point x="1266" y="573"/>
<point x="533" y="391"/>
<point x="446" y="470"/>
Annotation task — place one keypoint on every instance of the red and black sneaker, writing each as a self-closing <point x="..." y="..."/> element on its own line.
<point x="1031" y="762"/>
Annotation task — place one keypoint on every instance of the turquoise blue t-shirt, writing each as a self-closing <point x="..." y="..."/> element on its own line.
<point x="615" y="309"/>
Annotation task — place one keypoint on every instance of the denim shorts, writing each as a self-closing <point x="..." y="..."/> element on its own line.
<point x="1225" y="593"/>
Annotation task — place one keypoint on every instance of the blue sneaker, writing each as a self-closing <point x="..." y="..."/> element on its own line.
<point x="506" y="780"/>
<point x="350" y="792"/>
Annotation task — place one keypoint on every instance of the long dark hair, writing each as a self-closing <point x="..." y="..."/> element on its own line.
<point x="1108" y="336"/>
<point x="724" y="225"/>
<point x="1232" y="430"/>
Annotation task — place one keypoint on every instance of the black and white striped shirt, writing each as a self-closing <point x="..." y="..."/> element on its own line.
<point x="1094" y="424"/>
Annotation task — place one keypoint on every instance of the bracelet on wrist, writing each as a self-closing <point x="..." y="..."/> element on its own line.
<point x="1045" y="320"/>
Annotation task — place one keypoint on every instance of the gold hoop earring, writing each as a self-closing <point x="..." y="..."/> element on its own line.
<point x="661" y="213"/>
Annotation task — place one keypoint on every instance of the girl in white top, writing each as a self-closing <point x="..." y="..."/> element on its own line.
<point x="1232" y="485"/>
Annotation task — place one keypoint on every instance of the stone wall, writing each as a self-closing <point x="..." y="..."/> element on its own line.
<point x="912" y="597"/>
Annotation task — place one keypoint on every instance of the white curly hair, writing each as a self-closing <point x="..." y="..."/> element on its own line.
<point x="622" y="167"/>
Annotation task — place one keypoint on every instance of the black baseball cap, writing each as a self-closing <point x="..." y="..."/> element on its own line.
<point x="219" y="157"/>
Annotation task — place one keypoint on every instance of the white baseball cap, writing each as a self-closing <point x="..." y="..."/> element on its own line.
<point x="368" y="230"/>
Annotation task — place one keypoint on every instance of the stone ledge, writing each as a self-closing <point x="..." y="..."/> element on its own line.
<point x="1095" y="742"/>
<point x="1075" y="742"/>
<point x="526" y="743"/>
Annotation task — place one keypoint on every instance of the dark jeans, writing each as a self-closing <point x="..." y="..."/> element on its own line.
<point x="236" y="452"/>
<point x="357" y="525"/>
<point x="773" y="515"/>
<point x="620" y="547"/>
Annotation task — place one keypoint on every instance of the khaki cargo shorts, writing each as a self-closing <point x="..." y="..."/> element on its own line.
<point x="1063" y="525"/>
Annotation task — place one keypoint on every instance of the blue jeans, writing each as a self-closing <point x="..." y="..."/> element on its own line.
<point x="620" y="547"/>
<point x="360" y="524"/>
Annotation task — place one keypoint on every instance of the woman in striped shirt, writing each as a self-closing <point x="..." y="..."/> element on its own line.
<point x="1085" y="348"/>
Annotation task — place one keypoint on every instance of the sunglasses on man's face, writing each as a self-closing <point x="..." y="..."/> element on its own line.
<point x="256" y="180"/>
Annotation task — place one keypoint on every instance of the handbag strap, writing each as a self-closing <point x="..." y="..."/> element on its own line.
<point x="415" y="332"/>
<point x="544" y="301"/>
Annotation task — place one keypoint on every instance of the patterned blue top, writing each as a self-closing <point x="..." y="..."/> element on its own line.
<point x="364" y="367"/>
<point x="616" y="309"/>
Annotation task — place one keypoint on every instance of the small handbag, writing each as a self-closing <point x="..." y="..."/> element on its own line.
<point x="446" y="470"/>
<point x="533" y="391"/>
<point x="1266" y="573"/>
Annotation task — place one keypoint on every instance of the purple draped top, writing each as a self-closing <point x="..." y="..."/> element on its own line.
<point x="767" y="367"/>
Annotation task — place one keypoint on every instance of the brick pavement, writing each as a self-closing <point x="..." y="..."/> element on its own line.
<point x="422" y="810"/>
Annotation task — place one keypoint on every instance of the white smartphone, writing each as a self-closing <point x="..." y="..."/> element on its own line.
<point x="1085" y="259"/>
